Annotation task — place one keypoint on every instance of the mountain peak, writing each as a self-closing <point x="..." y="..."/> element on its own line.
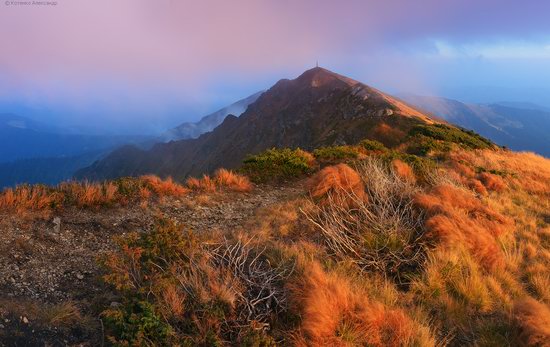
<point x="319" y="77"/>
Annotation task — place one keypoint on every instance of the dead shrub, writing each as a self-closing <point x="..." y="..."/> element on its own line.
<point x="333" y="312"/>
<point x="533" y="321"/>
<point x="456" y="217"/>
<point x="380" y="232"/>
<point x="340" y="182"/>
<point x="261" y="291"/>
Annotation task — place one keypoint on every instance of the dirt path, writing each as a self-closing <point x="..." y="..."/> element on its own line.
<point x="53" y="261"/>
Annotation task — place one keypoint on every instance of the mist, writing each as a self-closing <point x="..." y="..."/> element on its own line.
<point x="144" y="66"/>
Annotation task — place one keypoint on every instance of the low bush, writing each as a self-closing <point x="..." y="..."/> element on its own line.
<point x="278" y="165"/>
<point x="373" y="145"/>
<point x="465" y="138"/>
<point x="181" y="288"/>
<point x="336" y="153"/>
<point x="422" y="145"/>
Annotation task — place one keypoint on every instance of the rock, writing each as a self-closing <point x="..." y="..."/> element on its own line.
<point x="115" y="304"/>
<point x="79" y="276"/>
<point x="25" y="320"/>
<point x="56" y="224"/>
<point x="2" y="326"/>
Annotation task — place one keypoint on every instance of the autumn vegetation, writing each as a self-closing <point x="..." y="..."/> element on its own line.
<point x="441" y="240"/>
<point x="42" y="200"/>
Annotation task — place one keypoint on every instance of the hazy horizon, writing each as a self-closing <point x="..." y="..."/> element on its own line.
<point x="143" y="66"/>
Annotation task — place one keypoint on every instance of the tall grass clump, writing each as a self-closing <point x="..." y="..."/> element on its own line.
<point x="456" y="217"/>
<point x="336" y="313"/>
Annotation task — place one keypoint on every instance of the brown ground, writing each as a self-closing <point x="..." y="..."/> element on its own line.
<point x="47" y="272"/>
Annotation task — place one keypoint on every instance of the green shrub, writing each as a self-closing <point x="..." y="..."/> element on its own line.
<point x="180" y="288"/>
<point x="424" y="145"/>
<point x="372" y="145"/>
<point x="278" y="164"/>
<point x="336" y="153"/>
<point x="137" y="324"/>
<point x="442" y="132"/>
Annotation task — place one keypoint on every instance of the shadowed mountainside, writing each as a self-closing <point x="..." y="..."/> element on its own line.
<point x="208" y="123"/>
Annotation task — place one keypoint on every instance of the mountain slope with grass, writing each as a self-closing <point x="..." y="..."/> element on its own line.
<point x="362" y="222"/>
<point x="319" y="108"/>
<point x="441" y="240"/>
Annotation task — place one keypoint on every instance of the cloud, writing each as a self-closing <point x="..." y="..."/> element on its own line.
<point x="99" y="51"/>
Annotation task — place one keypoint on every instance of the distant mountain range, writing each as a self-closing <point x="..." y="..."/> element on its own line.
<point x="45" y="170"/>
<point x="35" y="152"/>
<point x="208" y="123"/>
<point x="23" y="138"/>
<point x="318" y="108"/>
<point x="519" y="126"/>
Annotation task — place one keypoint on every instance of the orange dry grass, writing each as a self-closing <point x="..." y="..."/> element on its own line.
<point x="528" y="171"/>
<point x="174" y="300"/>
<point x="308" y="156"/>
<point x="233" y="181"/>
<point x="161" y="187"/>
<point x="533" y="321"/>
<point x="403" y="170"/>
<point x="456" y="217"/>
<point x="334" y="313"/>
<point x="340" y="182"/>
<point x="206" y="183"/>
<point x="25" y="198"/>
<point x="492" y="182"/>
<point x="88" y="194"/>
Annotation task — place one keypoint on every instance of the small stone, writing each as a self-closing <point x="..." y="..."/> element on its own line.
<point x="25" y="320"/>
<point x="79" y="276"/>
<point x="57" y="224"/>
<point x="2" y="326"/>
<point x="115" y="304"/>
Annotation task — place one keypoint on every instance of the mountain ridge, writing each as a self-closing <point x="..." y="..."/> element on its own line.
<point x="318" y="108"/>
<point x="209" y="122"/>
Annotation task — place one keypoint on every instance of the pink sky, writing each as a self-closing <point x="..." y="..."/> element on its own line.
<point x="161" y="52"/>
